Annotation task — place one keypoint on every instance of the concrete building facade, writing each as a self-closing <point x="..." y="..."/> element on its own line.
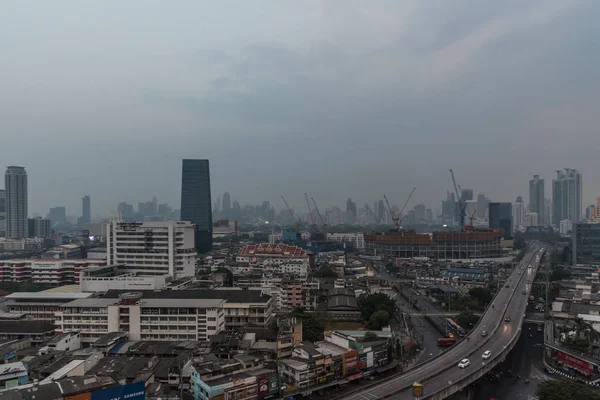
<point x="15" y="184"/>
<point x="567" y="196"/>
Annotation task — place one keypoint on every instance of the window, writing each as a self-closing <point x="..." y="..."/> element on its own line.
<point x="212" y="319"/>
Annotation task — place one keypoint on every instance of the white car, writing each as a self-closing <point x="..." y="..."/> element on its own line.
<point x="464" y="363"/>
<point x="486" y="354"/>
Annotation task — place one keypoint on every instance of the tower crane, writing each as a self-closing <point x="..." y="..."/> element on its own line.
<point x="313" y="223"/>
<point x="471" y="218"/>
<point x="462" y="205"/>
<point x="398" y="218"/>
<point x="323" y="223"/>
<point x="296" y="221"/>
<point x="404" y="206"/>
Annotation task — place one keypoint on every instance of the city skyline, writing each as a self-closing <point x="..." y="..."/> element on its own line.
<point x="377" y="106"/>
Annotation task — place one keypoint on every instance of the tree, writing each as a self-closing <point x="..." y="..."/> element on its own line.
<point x="228" y="281"/>
<point x="565" y="390"/>
<point x="313" y="325"/>
<point x="559" y="274"/>
<point x="378" y="320"/>
<point x="371" y="303"/>
<point x="325" y="272"/>
<point x="466" y="319"/>
<point x="483" y="295"/>
<point x="370" y="336"/>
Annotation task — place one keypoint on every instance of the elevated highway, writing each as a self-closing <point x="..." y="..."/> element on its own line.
<point x="441" y="376"/>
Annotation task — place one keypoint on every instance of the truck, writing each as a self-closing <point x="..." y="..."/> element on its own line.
<point x="446" y="342"/>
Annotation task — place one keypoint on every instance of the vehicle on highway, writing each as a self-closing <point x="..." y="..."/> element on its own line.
<point x="486" y="354"/>
<point x="464" y="363"/>
<point x="446" y="342"/>
<point x="507" y="319"/>
<point x="507" y="285"/>
<point x="484" y="333"/>
<point x="529" y="282"/>
<point x="450" y="335"/>
<point x="523" y="292"/>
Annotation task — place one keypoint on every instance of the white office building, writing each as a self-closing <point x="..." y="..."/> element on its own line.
<point x="156" y="319"/>
<point x="357" y="239"/>
<point x="152" y="248"/>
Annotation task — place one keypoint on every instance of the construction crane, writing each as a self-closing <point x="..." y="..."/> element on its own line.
<point x="392" y="214"/>
<point x="462" y="205"/>
<point x="404" y="206"/>
<point x="313" y="223"/>
<point x="323" y="223"/>
<point x="296" y="221"/>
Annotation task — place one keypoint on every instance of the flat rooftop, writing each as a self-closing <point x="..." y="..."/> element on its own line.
<point x="49" y="295"/>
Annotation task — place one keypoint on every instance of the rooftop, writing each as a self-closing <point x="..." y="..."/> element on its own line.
<point x="280" y="249"/>
<point x="232" y="296"/>
<point x="26" y="327"/>
<point x="49" y="295"/>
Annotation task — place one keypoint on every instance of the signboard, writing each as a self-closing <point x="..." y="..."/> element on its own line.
<point x="417" y="390"/>
<point x="132" y="391"/>
<point x="362" y="361"/>
<point x="263" y="386"/>
<point x="273" y="384"/>
<point x="81" y="396"/>
<point x="576" y="363"/>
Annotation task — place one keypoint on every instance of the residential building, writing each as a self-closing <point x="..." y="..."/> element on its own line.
<point x="39" y="227"/>
<point x="531" y="219"/>
<point x="143" y="318"/>
<point x="565" y="227"/>
<point x="117" y="277"/>
<point x="537" y="198"/>
<point x="518" y="213"/>
<point x="196" y="205"/>
<point x="280" y="257"/>
<point x="567" y="196"/>
<point x="586" y="244"/>
<point x="25" y="244"/>
<point x="281" y="236"/>
<point x="38" y="332"/>
<point x="13" y="375"/>
<point x="500" y="217"/>
<point x="15" y="184"/>
<point x="357" y="239"/>
<point x="45" y="270"/>
<point x="152" y="248"/>
<point x="64" y="251"/>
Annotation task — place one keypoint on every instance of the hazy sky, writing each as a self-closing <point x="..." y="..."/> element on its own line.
<point x="335" y="98"/>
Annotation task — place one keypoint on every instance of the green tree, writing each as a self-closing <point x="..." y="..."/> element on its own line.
<point x="466" y="319"/>
<point x="565" y="390"/>
<point x="228" y="276"/>
<point x="378" y="320"/>
<point x="370" y="336"/>
<point x="483" y="295"/>
<point x="325" y="272"/>
<point x="559" y="274"/>
<point x="371" y="303"/>
<point x="313" y="325"/>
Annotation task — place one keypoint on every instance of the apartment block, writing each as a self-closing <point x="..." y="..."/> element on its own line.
<point x="39" y="270"/>
<point x="280" y="258"/>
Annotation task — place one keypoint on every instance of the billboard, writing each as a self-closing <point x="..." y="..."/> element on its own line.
<point x="132" y="391"/>
<point x="263" y="386"/>
<point x="81" y="396"/>
<point x="273" y="384"/>
<point x="578" y="364"/>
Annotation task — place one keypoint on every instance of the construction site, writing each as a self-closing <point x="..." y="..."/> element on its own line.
<point x="468" y="243"/>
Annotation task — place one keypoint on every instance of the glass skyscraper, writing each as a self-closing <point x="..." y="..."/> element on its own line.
<point x="196" y="204"/>
<point x="586" y="244"/>
<point x="500" y="216"/>
<point x="567" y="196"/>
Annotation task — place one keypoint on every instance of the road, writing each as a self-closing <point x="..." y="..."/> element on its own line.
<point x="508" y="302"/>
<point x="526" y="360"/>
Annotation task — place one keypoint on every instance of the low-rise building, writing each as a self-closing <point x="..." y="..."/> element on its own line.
<point x="46" y="270"/>
<point x="357" y="239"/>
<point x="40" y="305"/>
<point x="280" y="258"/>
<point x="38" y="332"/>
<point x="65" y="251"/>
<point x="117" y="277"/>
<point x="12" y="375"/>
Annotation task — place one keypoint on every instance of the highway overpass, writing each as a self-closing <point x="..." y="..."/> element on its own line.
<point x="441" y="376"/>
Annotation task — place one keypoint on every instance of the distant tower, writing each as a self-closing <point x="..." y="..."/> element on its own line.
<point x="566" y="197"/>
<point x="536" y="199"/>
<point x="226" y="207"/>
<point x="15" y="181"/>
<point x="196" y="201"/>
<point x="86" y="215"/>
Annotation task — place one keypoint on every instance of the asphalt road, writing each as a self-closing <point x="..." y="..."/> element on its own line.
<point x="525" y="360"/>
<point x="505" y="304"/>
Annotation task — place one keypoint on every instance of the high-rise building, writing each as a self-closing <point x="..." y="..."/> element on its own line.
<point x="566" y="196"/>
<point x="125" y="211"/>
<point x="518" y="213"/>
<point x="152" y="248"/>
<point x="449" y="207"/>
<point x="86" y="214"/>
<point x="419" y="212"/>
<point x="537" y="198"/>
<point x="2" y="213"/>
<point x="226" y="207"/>
<point x="58" y="215"/>
<point x="380" y="211"/>
<point x="482" y="206"/>
<point x="39" y="227"/>
<point x="196" y="201"/>
<point x="500" y="216"/>
<point x="531" y="219"/>
<point x="351" y="211"/>
<point x="586" y="243"/>
<point x="15" y="181"/>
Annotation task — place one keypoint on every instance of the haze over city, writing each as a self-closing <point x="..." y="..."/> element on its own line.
<point x="337" y="99"/>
